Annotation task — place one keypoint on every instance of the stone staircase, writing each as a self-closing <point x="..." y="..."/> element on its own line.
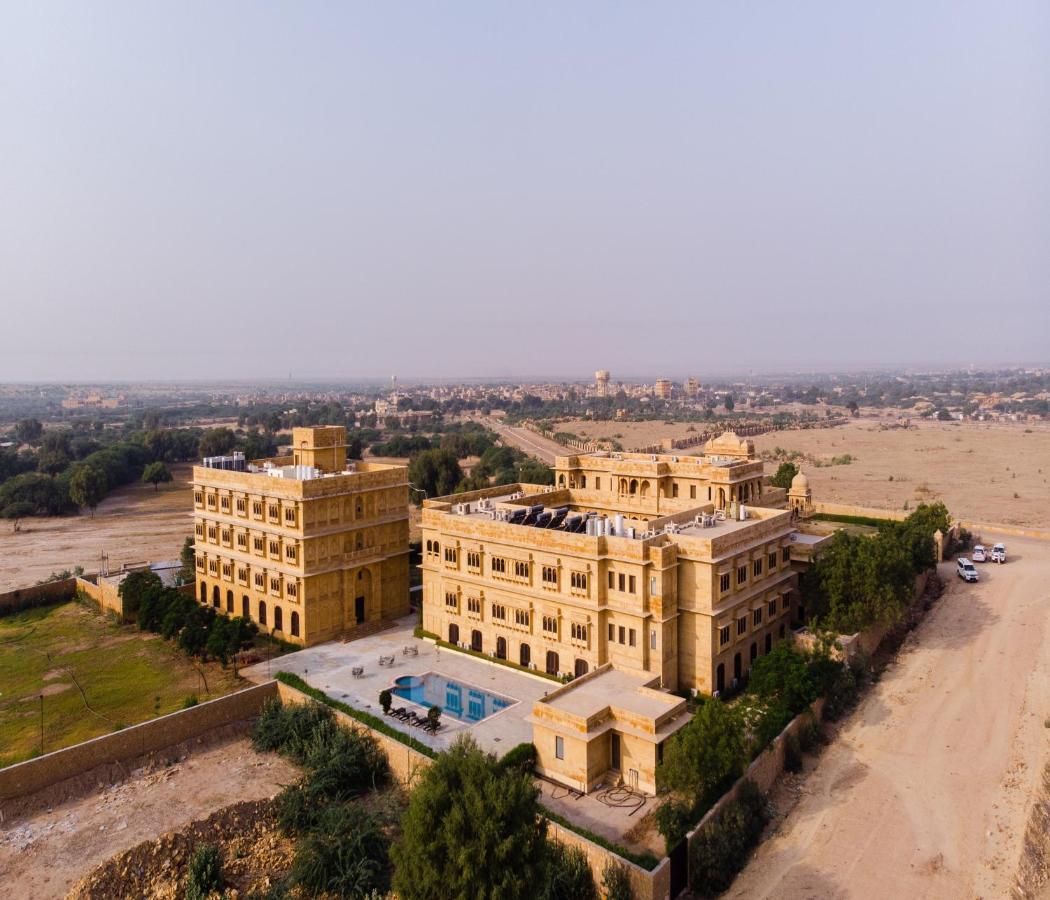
<point x="366" y="629"/>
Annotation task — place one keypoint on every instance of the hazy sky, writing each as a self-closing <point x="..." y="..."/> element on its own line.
<point x="201" y="189"/>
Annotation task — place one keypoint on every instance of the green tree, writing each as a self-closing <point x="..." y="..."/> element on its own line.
<point x="217" y="442"/>
<point x="28" y="431"/>
<point x="155" y="473"/>
<point x="138" y="588"/>
<point x="17" y="511"/>
<point x="52" y="462"/>
<point x="729" y="403"/>
<point x="188" y="572"/>
<point x="472" y="830"/>
<point x="567" y="875"/>
<point x="87" y="487"/>
<point x="705" y="756"/>
<point x="435" y="471"/>
<point x="785" y="472"/>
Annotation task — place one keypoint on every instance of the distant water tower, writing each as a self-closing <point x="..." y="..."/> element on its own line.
<point x="601" y="382"/>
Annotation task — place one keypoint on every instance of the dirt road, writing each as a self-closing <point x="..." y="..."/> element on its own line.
<point x="542" y="448"/>
<point x="44" y="855"/>
<point x="926" y="791"/>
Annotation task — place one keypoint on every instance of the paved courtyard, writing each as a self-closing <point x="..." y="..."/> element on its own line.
<point x="329" y="667"/>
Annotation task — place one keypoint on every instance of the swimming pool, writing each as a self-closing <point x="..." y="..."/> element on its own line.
<point x="460" y="701"/>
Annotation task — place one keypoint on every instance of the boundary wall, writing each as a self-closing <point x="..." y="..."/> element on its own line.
<point x="37" y="595"/>
<point x="27" y="777"/>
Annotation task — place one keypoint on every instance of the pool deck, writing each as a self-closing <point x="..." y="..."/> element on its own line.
<point x="328" y="667"/>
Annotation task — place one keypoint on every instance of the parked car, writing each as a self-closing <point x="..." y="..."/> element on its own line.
<point x="999" y="553"/>
<point x="979" y="554"/>
<point x="966" y="570"/>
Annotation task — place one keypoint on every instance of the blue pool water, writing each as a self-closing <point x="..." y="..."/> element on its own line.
<point x="461" y="701"/>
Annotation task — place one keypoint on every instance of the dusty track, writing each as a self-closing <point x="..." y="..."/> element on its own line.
<point x="926" y="791"/>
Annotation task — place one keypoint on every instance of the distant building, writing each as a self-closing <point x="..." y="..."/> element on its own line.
<point x="692" y="388"/>
<point x="309" y="546"/>
<point x="662" y="390"/>
<point x="94" y="401"/>
<point x="601" y="382"/>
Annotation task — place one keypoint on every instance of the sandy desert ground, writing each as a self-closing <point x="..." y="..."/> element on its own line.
<point x="43" y="855"/>
<point x="975" y="468"/>
<point x="927" y="789"/>
<point x="133" y="524"/>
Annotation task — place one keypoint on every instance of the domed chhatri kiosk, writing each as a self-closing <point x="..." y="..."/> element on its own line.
<point x="800" y="497"/>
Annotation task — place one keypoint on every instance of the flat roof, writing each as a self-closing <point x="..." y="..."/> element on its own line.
<point x="625" y="691"/>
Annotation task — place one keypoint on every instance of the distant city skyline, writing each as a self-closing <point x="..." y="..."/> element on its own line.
<point x="238" y="191"/>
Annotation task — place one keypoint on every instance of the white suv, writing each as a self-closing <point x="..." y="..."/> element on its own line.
<point x="999" y="553"/>
<point x="979" y="554"/>
<point x="966" y="570"/>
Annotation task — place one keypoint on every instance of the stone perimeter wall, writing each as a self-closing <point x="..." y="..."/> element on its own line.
<point x="33" y="775"/>
<point x="37" y="595"/>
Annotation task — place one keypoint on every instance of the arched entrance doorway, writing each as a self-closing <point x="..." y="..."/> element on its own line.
<point x="229" y="601"/>
<point x="215" y="596"/>
<point x="475" y="641"/>
<point x="720" y="677"/>
<point x="581" y="667"/>
<point x="754" y="652"/>
<point x="453" y="633"/>
<point x="552" y="663"/>
<point x="204" y="592"/>
<point x="246" y="607"/>
<point x="737" y="667"/>
<point x="524" y="655"/>
<point x="501" y="648"/>
<point x="278" y="619"/>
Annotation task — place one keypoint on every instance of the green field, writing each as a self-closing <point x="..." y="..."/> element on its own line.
<point x="125" y="676"/>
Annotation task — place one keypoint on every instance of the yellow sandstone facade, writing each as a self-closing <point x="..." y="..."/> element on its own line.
<point x="656" y="580"/>
<point x="309" y="547"/>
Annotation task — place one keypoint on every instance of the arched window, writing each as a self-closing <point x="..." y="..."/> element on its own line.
<point x="262" y="612"/>
<point x="581" y="667"/>
<point x="524" y="655"/>
<point x="229" y="601"/>
<point x="204" y="592"/>
<point x="644" y="490"/>
<point x="215" y="596"/>
<point x="278" y="619"/>
<point x="561" y="480"/>
<point x="295" y="624"/>
<point x="633" y="489"/>
<point x="552" y="663"/>
<point x="246" y="610"/>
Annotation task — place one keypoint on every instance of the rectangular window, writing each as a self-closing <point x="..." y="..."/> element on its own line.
<point x="741" y="625"/>
<point x="226" y="535"/>
<point x="559" y="748"/>
<point x="756" y="568"/>
<point x="723" y="635"/>
<point x="652" y="584"/>
<point x="652" y="640"/>
<point x="275" y="548"/>
<point x="292" y="590"/>
<point x="199" y="529"/>
<point x="631" y="584"/>
<point x="612" y="580"/>
<point x="258" y="544"/>
<point x="241" y="505"/>
<point x="631" y="635"/>
<point x="741" y="574"/>
<point x="623" y="634"/>
<point x="198" y="498"/>
<point x="692" y="492"/>
<point x="772" y="609"/>
<point x="723" y="582"/>
<point x="257" y="508"/>
<point x="242" y="542"/>
<point x="785" y="554"/>
<point x="273" y="510"/>
<point x="674" y="490"/>
<point x="597" y="484"/>
<point x="756" y="618"/>
<point x="772" y="561"/>
<point x="612" y="632"/>
<point x="289" y="554"/>
<point x="623" y="582"/>
<point x="224" y="503"/>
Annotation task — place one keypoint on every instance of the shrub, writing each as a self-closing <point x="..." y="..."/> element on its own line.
<point x="346" y="855"/>
<point x="342" y="763"/>
<point x="809" y="734"/>
<point x="205" y="873"/>
<point x="673" y="820"/>
<point x="617" y="882"/>
<point x="434" y="715"/>
<point x="385" y="699"/>
<point x="792" y="754"/>
<point x="721" y="849"/>
<point x="567" y="875"/>
<point x="523" y="756"/>
<point x="295" y="811"/>
<point x="271" y="728"/>
<point x="190" y="701"/>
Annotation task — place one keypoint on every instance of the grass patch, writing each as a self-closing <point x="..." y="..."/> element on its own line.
<point x="127" y="677"/>
<point x="365" y="718"/>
